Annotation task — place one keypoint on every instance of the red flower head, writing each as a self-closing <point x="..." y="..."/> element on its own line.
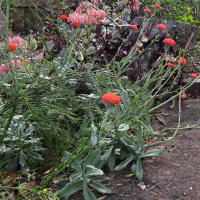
<point x="157" y="6"/>
<point x="170" y="64"/>
<point x="193" y="75"/>
<point x="75" y="24"/>
<point x="63" y="17"/>
<point x="161" y="27"/>
<point x="147" y="11"/>
<point x="111" y="98"/>
<point x="134" y="27"/>
<point x="182" y="61"/>
<point x="100" y="38"/>
<point x="12" y="47"/>
<point x="169" y="41"/>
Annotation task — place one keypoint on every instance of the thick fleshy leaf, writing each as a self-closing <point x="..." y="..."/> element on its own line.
<point x="99" y="179"/>
<point x="133" y="167"/>
<point x="123" y="164"/>
<point x="123" y="154"/>
<point x="23" y="163"/>
<point x="70" y="189"/>
<point x="106" y="155"/>
<point x="100" y="188"/>
<point x="95" y="158"/>
<point x="75" y="177"/>
<point x="125" y="99"/>
<point x="93" y="139"/>
<point x="87" y="193"/>
<point x="139" y="170"/>
<point x="111" y="161"/>
<point x="93" y="136"/>
<point x="66" y="155"/>
<point x="152" y="153"/>
<point x="62" y="183"/>
<point x="128" y="143"/>
<point x="94" y="172"/>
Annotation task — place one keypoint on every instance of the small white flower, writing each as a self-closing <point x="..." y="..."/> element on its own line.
<point x="123" y="127"/>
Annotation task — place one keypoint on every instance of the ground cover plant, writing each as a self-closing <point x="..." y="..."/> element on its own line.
<point x="68" y="108"/>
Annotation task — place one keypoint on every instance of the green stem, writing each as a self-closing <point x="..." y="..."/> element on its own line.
<point x="170" y="99"/>
<point x="176" y="131"/>
<point x="7" y="22"/>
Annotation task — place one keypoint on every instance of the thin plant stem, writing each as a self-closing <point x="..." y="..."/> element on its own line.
<point x="7" y="22"/>
<point x="175" y="132"/>
<point x="170" y="99"/>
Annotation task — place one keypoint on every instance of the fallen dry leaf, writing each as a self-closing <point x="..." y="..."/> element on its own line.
<point x="9" y="176"/>
<point x="183" y="94"/>
<point x="161" y="119"/>
<point x="129" y="175"/>
<point x="27" y="186"/>
<point x="142" y="186"/>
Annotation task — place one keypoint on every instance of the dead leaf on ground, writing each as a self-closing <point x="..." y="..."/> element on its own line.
<point x="161" y="119"/>
<point x="9" y="176"/>
<point x="142" y="186"/>
<point x="183" y="95"/>
<point x="27" y="186"/>
<point x="129" y="175"/>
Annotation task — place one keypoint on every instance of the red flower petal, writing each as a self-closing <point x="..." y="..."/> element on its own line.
<point x="182" y="61"/>
<point x="63" y="17"/>
<point x="161" y="26"/>
<point x="157" y="6"/>
<point x="75" y="24"/>
<point x="170" y="64"/>
<point x="12" y="47"/>
<point x="193" y="75"/>
<point x="147" y="11"/>
<point x="111" y="98"/>
<point x="169" y="41"/>
<point x="134" y="27"/>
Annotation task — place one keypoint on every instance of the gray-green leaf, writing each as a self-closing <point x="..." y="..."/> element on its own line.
<point x="106" y="155"/>
<point x="123" y="164"/>
<point x="101" y="188"/>
<point x="139" y="170"/>
<point x="70" y="189"/>
<point x="87" y="193"/>
<point x="154" y="152"/>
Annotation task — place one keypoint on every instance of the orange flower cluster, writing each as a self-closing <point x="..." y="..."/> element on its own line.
<point x="147" y="11"/>
<point x="170" y="64"/>
<point x="111" y="98"/>
<point x="161" y="27"/>
<point x="63" y="17"/>
<point x="133" y="27"/>
<point x="157" y="6"/>
<point x="169" y="41"/>
<point x="182" y="61"/>
<point x="193" y="75"/>
<point x="12" y="47"/>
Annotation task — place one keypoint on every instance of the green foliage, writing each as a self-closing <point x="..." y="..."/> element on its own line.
<point x="58" y="98"/>
<point x="85" y="176"/>
<point x="20" y="148"/>
<point x="186" y="11"/>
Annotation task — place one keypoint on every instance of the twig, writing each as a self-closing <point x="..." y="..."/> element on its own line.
<point x="177" y="128"/>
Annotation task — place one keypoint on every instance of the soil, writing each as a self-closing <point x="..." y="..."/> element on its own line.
<point x="175" y="174"/>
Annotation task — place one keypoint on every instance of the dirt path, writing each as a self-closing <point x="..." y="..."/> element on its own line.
<point x="176" y="173"/>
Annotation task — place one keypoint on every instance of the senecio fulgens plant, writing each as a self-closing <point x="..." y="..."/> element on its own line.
<point x="111" y="132"/>
<point x="118" y="136"/>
